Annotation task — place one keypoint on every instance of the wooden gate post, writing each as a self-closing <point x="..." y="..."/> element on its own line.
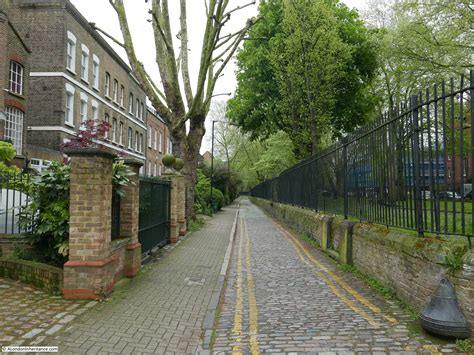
<point x="129" y="218"/>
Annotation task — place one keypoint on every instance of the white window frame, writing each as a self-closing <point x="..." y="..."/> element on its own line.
<point x="142" y="108"/>
<point x="115" y="91"/>
<point x="114" y="130"/>
<point x="130" y="138"/>
<point x="84" y="62"/>
<point x="137" y="138"/>
<point x="130" y="104"/>
<point x="160" y="146"/>
<point x="107" y="119"/>
<point x="149" y="168"/>
<point x="122" y="94"/>
<point x="16" y="78"/>
<point x="71" y="46"/>
<point x="69" y="111"/>
<point x="154" y="169"/>
<point x="159" y="169"/>
<point x="170" y="146"/>
<point x="107" y="84"/>
<point x="95" y="110"/>
<point x="148" y="131"/>
<point x="140" y="145"/>
<point x="83" y="107"/>
<point x="14" y="119"/>
<point x="95" y="72"/>
<point x="121" y="133"/>
<point x="137" y="109"/>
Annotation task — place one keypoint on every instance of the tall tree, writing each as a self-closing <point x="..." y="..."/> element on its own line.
<point x="174" y="99"/>
<point x="306" y="69"/>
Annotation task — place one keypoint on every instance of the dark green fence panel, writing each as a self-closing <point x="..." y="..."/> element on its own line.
<point x="154" y="213"/>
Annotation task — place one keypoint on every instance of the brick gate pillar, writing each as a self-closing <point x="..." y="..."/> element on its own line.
<point x="89" y="272"/>
<point x="181" y="213"/>
<point x="129" y="216"/>
<point x="173" y="178"/>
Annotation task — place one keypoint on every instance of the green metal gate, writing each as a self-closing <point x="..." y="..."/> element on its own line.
<point x="154" y="213"/>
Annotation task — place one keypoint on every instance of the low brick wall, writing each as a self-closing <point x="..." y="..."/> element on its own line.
<point x="42" y="276"/>
<point x="8" y="241"/>
<point x="410" y="265"/>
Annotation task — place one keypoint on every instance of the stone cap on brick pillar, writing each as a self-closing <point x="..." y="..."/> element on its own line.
<point x="135" y="164"/>
<point x="90" y="151"/>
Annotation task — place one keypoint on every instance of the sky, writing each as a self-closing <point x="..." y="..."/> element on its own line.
<point x="101" y="13"/>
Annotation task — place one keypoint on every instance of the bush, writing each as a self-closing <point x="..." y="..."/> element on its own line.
<point x="47" y="214"/>
<point x="202" y="199"/>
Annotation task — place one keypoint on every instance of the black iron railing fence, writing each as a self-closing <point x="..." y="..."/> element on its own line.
<point x="13" y="198"/>
<point x="411" y="169"/>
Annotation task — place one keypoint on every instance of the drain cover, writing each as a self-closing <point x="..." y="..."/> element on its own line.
<point x="194" y="281"/>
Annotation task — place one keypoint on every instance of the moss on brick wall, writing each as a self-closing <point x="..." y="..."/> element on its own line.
<point x="42" y="276"/>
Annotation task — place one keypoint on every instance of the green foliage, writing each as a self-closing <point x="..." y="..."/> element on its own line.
<point x="453" y="259"/>
<point x="7" y="153"/>
<point x="47" y="214"/>
<point x="277" y="156"/>
<point x="203" y="202"/>
<point x="465" y="346"/>
<point x="121" y="176"/>
<point x="196" y="224"/>
<point x="306" y="70"/>
<point x="168" y="160"/>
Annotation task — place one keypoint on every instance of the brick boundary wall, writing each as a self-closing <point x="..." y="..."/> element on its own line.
<point x="96" y="262"/>
<point x="42" y="276"/>
<point x="9" y="241"/>
<point x="410" y="265"/>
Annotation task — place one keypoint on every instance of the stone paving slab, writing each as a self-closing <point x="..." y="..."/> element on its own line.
<point x="28" y="315"/>
<point x="162" y="309"/>
<point x="285" y="296"/>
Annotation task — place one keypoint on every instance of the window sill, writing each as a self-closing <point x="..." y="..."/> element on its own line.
<point x="85" y="80"/>
<point x="95" y="89"/>
<point x="70" y="124"/>
<point x="108" y="97"/>
<point x="71" y="71"/>
<point x="20" y="96"/>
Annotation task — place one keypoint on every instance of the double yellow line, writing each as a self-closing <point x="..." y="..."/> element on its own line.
<point x="336" y="283"/>
<point x="252" y="300"/>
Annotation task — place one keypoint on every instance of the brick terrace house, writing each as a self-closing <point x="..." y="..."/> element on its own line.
<point x="159" y="143"/>
<point x="75" y="75"/>
<point x="14" y="70"/>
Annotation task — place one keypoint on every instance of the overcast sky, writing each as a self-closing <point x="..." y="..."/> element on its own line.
<point x="100" y="12"/>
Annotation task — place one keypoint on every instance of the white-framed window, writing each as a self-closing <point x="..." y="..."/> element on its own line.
<point x="141" y="143"/>
<point x="149" y="168"/>
<point x="130" y="104"/>
<point x="107" y="84"/>
<point x="71" y="52"/>
<point x="14" y="127"/>
<point x="115" y="91"/>
<point x="107" y="119"/>
<point x="69" y="109"/>
<point x="39" y="164"/>
<point x="148" y="131"/>
<point x="95" y="71"/>
<point x="83" y="107"/>
<point x="16" y="78"/>
<point x="160" y="145"/>
<point x="170" y="146"/>
<point x="154" y="169"/>
<point x="159" y="170"/>
<point x="137" y="144"/>
<point x="95" y="110"/>
<point x="137" y="108"/>
<point x="85" y="63"/>
<point x="130" y="137"/>
<point x="122" y="93"/>
<point x="121" y="133"/>
<point x="114" y="130"/>
<point x="154" y="138"/>
<point x="142" y="109"/>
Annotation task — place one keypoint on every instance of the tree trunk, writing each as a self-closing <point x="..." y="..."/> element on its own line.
<point x="187" y="148"/>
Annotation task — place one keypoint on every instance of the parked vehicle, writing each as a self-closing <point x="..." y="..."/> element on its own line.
<point x="449" y="195"/>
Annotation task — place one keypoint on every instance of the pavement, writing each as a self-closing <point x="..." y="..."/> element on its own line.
<point x="284" y="296"/>
<point x="162" y="309"/>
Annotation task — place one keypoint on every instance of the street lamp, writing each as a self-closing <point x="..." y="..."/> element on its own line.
<point x="212" y="155"/>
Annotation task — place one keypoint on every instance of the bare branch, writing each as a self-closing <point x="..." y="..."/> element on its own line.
<point x="160" y="30"/>
<point x="106" y="34"/>
<point x="184" y="53"/>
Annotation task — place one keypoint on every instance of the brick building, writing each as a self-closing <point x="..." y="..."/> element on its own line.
<point x="158" y="143"/>
<point x="14" y="70"/>
<point x="75" y="75"/>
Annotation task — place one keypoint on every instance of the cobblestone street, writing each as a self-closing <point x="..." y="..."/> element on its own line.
<point x="285" y="296"/>
<point x="28" y="315"/>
